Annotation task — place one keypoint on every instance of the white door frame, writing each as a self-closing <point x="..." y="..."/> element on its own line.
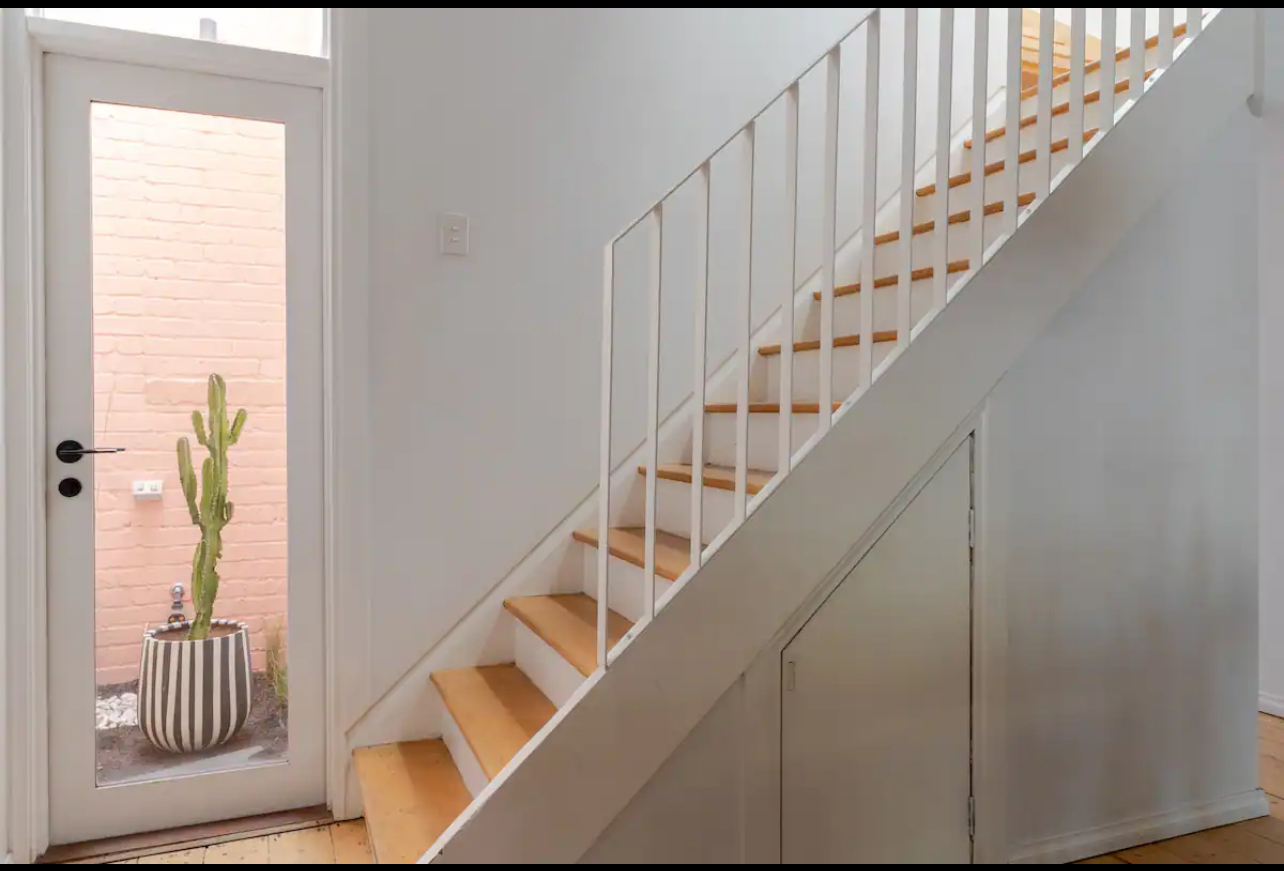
<point x="80" y="808"/>
<point x="763" y="681"/>
<point x="25" y="41"/>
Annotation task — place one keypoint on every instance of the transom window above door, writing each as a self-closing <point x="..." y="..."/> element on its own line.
<point x="298" y="31"/>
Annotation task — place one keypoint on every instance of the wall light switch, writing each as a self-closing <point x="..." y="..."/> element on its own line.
<point x="147" y="489"/>
<point x="454" y="234"/>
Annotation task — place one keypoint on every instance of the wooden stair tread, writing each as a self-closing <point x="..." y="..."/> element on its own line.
<point x="1123" y="54"/>
<point x="717" y="477"/>
<point x="963" y="217"/>
<point x="998" y="165"/>
<point x="1059" y="109"/>
<point x="567" y="622"/>
<point x="497" y="709"/>
<point x="921" y="274"/>
<point x="766" y="407"/>
<point x="839" y="342"/>
<point x="412" y="792"/>
<point x="672" y="552"/>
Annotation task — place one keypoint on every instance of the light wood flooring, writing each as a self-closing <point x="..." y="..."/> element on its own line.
<point x="1253" y="842"/>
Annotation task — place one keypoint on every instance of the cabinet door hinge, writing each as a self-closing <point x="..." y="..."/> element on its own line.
<point x="789" y="676"/>
<point x="971" y="527"/>
<point x="971" y="817"/>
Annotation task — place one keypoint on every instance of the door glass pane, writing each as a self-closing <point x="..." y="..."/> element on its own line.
<point x="298" y="31"/>
<point x="189" y="282"/>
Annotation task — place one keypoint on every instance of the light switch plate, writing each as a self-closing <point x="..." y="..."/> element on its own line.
<point x="454" y="234"/>
<point x="148" y="489"/>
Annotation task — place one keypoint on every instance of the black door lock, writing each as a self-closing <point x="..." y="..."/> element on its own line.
<point x="70" y="487"/>
<point x="70" y="451"/>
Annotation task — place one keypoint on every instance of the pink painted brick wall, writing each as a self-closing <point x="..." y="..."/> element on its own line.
<point x="189" y="279"/>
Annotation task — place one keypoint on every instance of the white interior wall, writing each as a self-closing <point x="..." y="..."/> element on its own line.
<point x="1118" y="519"/>
<point x="551" y="136"/>
<point x="1271" y="262"/>
<point x="4" y="591"/>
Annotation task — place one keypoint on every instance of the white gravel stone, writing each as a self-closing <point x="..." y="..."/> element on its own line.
<point x="117" y="711"/>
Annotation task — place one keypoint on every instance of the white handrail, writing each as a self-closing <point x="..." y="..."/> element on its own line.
<point x="737" y="375"/>
<point x="655" y="264"/>
<point x="980" y="66"/>
<point x="697" y="390"/>
<point x="941" y="213"/>
<point x="909" y="123"/>
<point x="1012" y="107"/>
<point x="829" y="227"/>
<point x="869" y="213"/>
<point x="785" y="428"/>
<point x="732" y="138"/>
<point x="745" y="332"/>
<point x="1109" y="45"/>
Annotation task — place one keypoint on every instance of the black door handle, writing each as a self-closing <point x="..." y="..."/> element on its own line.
<point x="70" y="451"/>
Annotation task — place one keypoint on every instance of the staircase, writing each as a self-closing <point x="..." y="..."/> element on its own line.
<point x="708" y="465"/>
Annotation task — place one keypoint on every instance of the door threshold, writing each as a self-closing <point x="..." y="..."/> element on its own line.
<point x="185" y="837"/>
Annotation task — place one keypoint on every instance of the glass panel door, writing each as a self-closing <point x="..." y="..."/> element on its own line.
<point x="183" y="358"/>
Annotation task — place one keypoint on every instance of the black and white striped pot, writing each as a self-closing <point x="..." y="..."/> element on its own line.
<point x="193" y="695"/>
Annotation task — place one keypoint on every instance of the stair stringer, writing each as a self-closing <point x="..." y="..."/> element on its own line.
<point x="607" y="742"/>
<point x="410" y="709"/>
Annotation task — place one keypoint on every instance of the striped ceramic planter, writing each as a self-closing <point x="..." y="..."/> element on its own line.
<point x="193" y="695"/>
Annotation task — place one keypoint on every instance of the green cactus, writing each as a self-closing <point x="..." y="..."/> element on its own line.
<point x="210" y="508"/>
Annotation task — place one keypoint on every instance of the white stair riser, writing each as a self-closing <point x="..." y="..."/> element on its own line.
<point x="846" y="373"/>
<point x="469" y="768"/>
<point x="626" y="590"/>
<point x="673" y="509"/>
<point x="547" y="669"/>
<point x="720" y="438"/>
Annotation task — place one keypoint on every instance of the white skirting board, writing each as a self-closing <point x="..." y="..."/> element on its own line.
<point x="1144" y="830"/>
<point x="1268" y="703"/>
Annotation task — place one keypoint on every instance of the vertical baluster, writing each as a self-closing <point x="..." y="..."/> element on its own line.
<point x="869" y="212"/>
<point x="1012" y="123"/>
<point x="1078" y="48"/>
<point x="909" y="127"/>
<point x="941" y="199"/>
<point x="604" y="455"/>
<point x="1166" y="37"/>
<point x="1194" y="22"/>
<point x="1043" y="112"/>
<point x="745" y="336"/>
<point x="697" y="387"/>
<point x="828" y="236"/>
<point x="784" y="458"/>
<point x="655" y="262"/>
<point x="980" y="64"/>
<point x="1109" y="45"/>
<point x="1137" y="55"/>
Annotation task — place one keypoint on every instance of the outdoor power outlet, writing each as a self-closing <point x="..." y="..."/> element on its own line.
<point x="147" y="489"/>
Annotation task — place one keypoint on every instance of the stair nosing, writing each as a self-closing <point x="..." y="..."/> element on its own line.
<point x="461" y="714"/>
<point x="766" y="407"/>
<point x="589" y="537"/>
<point x="674" y="472"/>
<point x="513" y="606"/>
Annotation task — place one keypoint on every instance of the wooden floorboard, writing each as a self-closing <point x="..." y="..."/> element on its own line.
<point x="1252" y="842"/>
